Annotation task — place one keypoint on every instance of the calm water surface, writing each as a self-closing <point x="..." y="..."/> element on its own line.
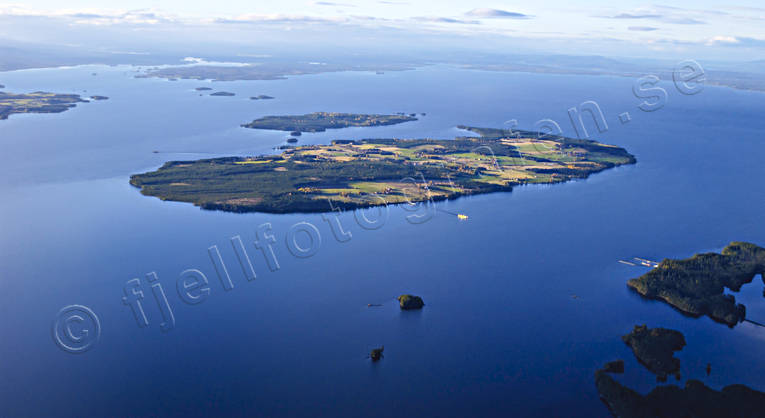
<point x="501" y="333"/>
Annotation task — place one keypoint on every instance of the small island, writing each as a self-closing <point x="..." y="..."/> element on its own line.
<point x="321" y="121"/>
<point x="376" y="353"/>
<point x="37" y="102"/>
<point x="696" y="286"/>
<point x="654" y="348"/>
<point x="262" y="97"/>
<point x="409" y="302"/>
<point x="223" y="93"/>
<point x="98" y="98"/>
<point x="350" y="174"/>
<point x="203" y="88"/>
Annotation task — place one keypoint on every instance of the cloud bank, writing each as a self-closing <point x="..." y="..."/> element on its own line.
<point x="496" y="14"/>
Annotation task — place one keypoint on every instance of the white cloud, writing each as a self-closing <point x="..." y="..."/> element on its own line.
<point x="740" y="41"/>
<point x="496" y="14"/>
<point x="642" y="28"/>
<point x="670" y="15"/>
<point x="725" y="40"/>
<point x="635" y="16"/>
<point x="329" y="3"/>
<point x="94" y="16"/>
<point x="436" y="19"/>
<point x="279" y="18"/>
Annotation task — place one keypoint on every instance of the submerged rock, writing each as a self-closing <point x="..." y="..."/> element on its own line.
<point x="410" y="302"/>
<point x="654" y="348"/>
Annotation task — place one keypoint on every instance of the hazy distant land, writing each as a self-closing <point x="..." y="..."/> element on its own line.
<point x="743" y="77"/>
<point x="740" y="80"/>
<point x="261" y="71"/>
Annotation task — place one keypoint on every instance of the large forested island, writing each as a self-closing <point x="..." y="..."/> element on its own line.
<point x="696" y="286"/>
<point x="371" y="172"/>
<point x="321" y="121"/>
<point x="37" y="102"/>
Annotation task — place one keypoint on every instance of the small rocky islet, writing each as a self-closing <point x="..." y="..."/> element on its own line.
<point x="376" y="353"/>
<point x="410" y="302"/>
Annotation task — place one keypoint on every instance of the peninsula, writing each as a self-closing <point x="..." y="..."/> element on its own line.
<point x="321" y="121"/>
<point x="37" y="102"/>
<point x="696" y="285"/>
<point x="372" y="172"/>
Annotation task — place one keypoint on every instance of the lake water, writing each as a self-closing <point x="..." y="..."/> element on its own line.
<point x="500" y="334"/>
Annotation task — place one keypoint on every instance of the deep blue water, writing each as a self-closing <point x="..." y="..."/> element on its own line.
<point x="500" y="334"/>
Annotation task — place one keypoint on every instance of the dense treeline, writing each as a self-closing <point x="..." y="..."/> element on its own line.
<point x="696" y="285"/>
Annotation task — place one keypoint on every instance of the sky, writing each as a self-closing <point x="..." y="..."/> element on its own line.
<point x="703" y="28"/>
